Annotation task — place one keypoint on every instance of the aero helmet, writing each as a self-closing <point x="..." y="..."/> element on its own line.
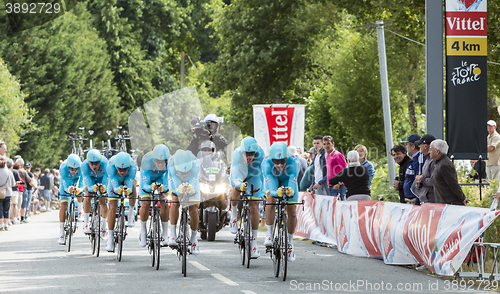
<point x="183" y="161"/>
<point x="94" y="155"/>
<point x="278" y="150"/>
<point x="249" y="144"/>
<point x="161" y="152"/>
<point x="122" y="160"/>
<point x="74" y="161"/>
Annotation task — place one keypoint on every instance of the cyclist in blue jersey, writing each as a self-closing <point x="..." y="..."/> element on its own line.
<point x="70" y="182"/>
<point x="154" y="175"/>
<point x="183" y="169"/>
<point x="280" y="171"/>
<point x="246" y="174"/>
<point x="94" y="174"/>
<point x="121" y="171"/>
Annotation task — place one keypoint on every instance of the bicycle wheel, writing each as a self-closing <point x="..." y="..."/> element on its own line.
<point x="150" y="241"/>
<point x="71" y="223"/>
<point x="98" y="225"/>
<point x="284" y="245"/>
<point x="247" y="234"/>
<point x="93" y="235"/>
<point x="184" y="240"/>
<point x="276" y="251"/>
<point x="241" y="237"/>
<point x="119" y="237"/>
<point x="157" y="238"/>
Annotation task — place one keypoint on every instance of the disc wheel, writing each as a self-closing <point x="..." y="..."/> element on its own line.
<point x="284" y="248"/>
<point x="184" y="241"/>
<point x="119" y="238"/>
<point x="276" y="251"/>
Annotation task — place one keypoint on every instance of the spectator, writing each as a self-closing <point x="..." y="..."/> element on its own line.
<point x="3" y="150"/>
<point x="306" y="157"/>
<point x="45" y="192"/>
<point x="399" y="154"/>
<point x="355" y="177"/>
<point x="363" y="154"/>
<point x="478" y="169"/>
<point x="7" y="180"/>
<point x="320" y="186"/>
<point x="306" y="181"/>
<point x="29" y="187"/>
<point x="414" y="167"/>
<point x="492" y="167"/>
<point x="302" y="162"/>
<point x="20" y="189"/>
<point x="15" y="193"/>
<point x="335" y="162"/>
<point x="35" y="203"/>
<point x="446" y="188"/>
<point x="27" y="182"/>
<point x="424" y="181"/>
<point x="311" y="153"/>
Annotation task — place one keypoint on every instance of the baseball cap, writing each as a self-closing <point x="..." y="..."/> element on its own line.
<point x="426" y="139"/>
<point x="312" y="150"/>
<point x="491" y="123"/>
<point x="412" y="138"/>
<point x="27" y="164"/>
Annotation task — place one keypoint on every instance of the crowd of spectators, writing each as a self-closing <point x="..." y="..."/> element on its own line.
<point x="27" y="193"/>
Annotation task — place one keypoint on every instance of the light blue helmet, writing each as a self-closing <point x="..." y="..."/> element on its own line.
<point x="74" y="161"/>
<point x="122" y="160"/>
<point x="183" y="161"/>
<point x="161" y="152"/>
<point x="94" y="155"/>
<point x="249" y="144"/>
<point x="278" y="150"/>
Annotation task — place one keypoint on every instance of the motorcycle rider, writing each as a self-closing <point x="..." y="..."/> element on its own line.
<point x="207" y="130"/>
<point x="245" y="173"/>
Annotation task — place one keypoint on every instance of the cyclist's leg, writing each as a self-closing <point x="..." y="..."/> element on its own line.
<point x="194" y="220"/>
<point x="269" y="219"/>
<point x="103" y="201"/>
<point x="164" y="216"/>
<point x="174" y="215"/>
<point x="79" y="199"/>
<point x="144" y="214"/>
<point x="62" y="217"/>
<point x="86" y="211"/>
<point x="291" y="222"/>
<point x="113" y="206"/>
<point x="235" y="196"/>
<point x="131" y="201"/>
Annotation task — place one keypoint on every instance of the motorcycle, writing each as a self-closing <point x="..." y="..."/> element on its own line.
<point x="214" y="189"/>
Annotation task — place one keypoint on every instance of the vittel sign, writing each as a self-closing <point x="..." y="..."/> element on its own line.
<point x="279" y="123"/>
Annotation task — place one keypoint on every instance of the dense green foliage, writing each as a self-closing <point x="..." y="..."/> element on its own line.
<point x="97" y="61"/>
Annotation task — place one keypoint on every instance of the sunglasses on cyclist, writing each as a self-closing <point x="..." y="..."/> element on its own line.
<point x="279" y="161"/>
<point x="122" y="170"/>
<point x="94" y="163"/>
<point x="73" y="169"/>
<point x="159" y="161"/>
<point x="250" y="154"/>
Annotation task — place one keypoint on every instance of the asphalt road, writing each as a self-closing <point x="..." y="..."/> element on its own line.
<point x="31" y="261"/>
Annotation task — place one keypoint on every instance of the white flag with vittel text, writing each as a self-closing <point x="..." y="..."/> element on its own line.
<point x="279" y="123"/>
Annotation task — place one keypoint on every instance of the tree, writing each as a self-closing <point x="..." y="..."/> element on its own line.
<point x="64" y="68"/>
<point x="15" y="116"/>
<point x="264" y="51"/>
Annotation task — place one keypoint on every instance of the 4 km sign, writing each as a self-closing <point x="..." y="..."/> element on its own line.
<point x="466" y="82"/>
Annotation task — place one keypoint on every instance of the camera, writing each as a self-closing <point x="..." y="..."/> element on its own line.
<point x="200" y="128"/>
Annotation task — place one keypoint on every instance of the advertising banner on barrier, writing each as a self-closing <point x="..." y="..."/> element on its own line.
<point x="279" y="123"/>
<point x="466" y="78"/>
<point x="437" y="235"/>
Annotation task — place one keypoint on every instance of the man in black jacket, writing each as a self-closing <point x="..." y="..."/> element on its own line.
<point x="207" y="130"/>
<point x="446" y="187"/>
<point x="399" y="154"/>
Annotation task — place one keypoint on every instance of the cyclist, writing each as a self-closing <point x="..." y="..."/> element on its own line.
<point x="207" y="131"/>
<point x="94" y="174"/>
<point x="154" y="175"/>
<point x="245" y="172"/>
<point x="121" y="171"/>
<point x="280" y="171"/>
<point x="183" y="168"/>
<point x="70" y="176"/>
